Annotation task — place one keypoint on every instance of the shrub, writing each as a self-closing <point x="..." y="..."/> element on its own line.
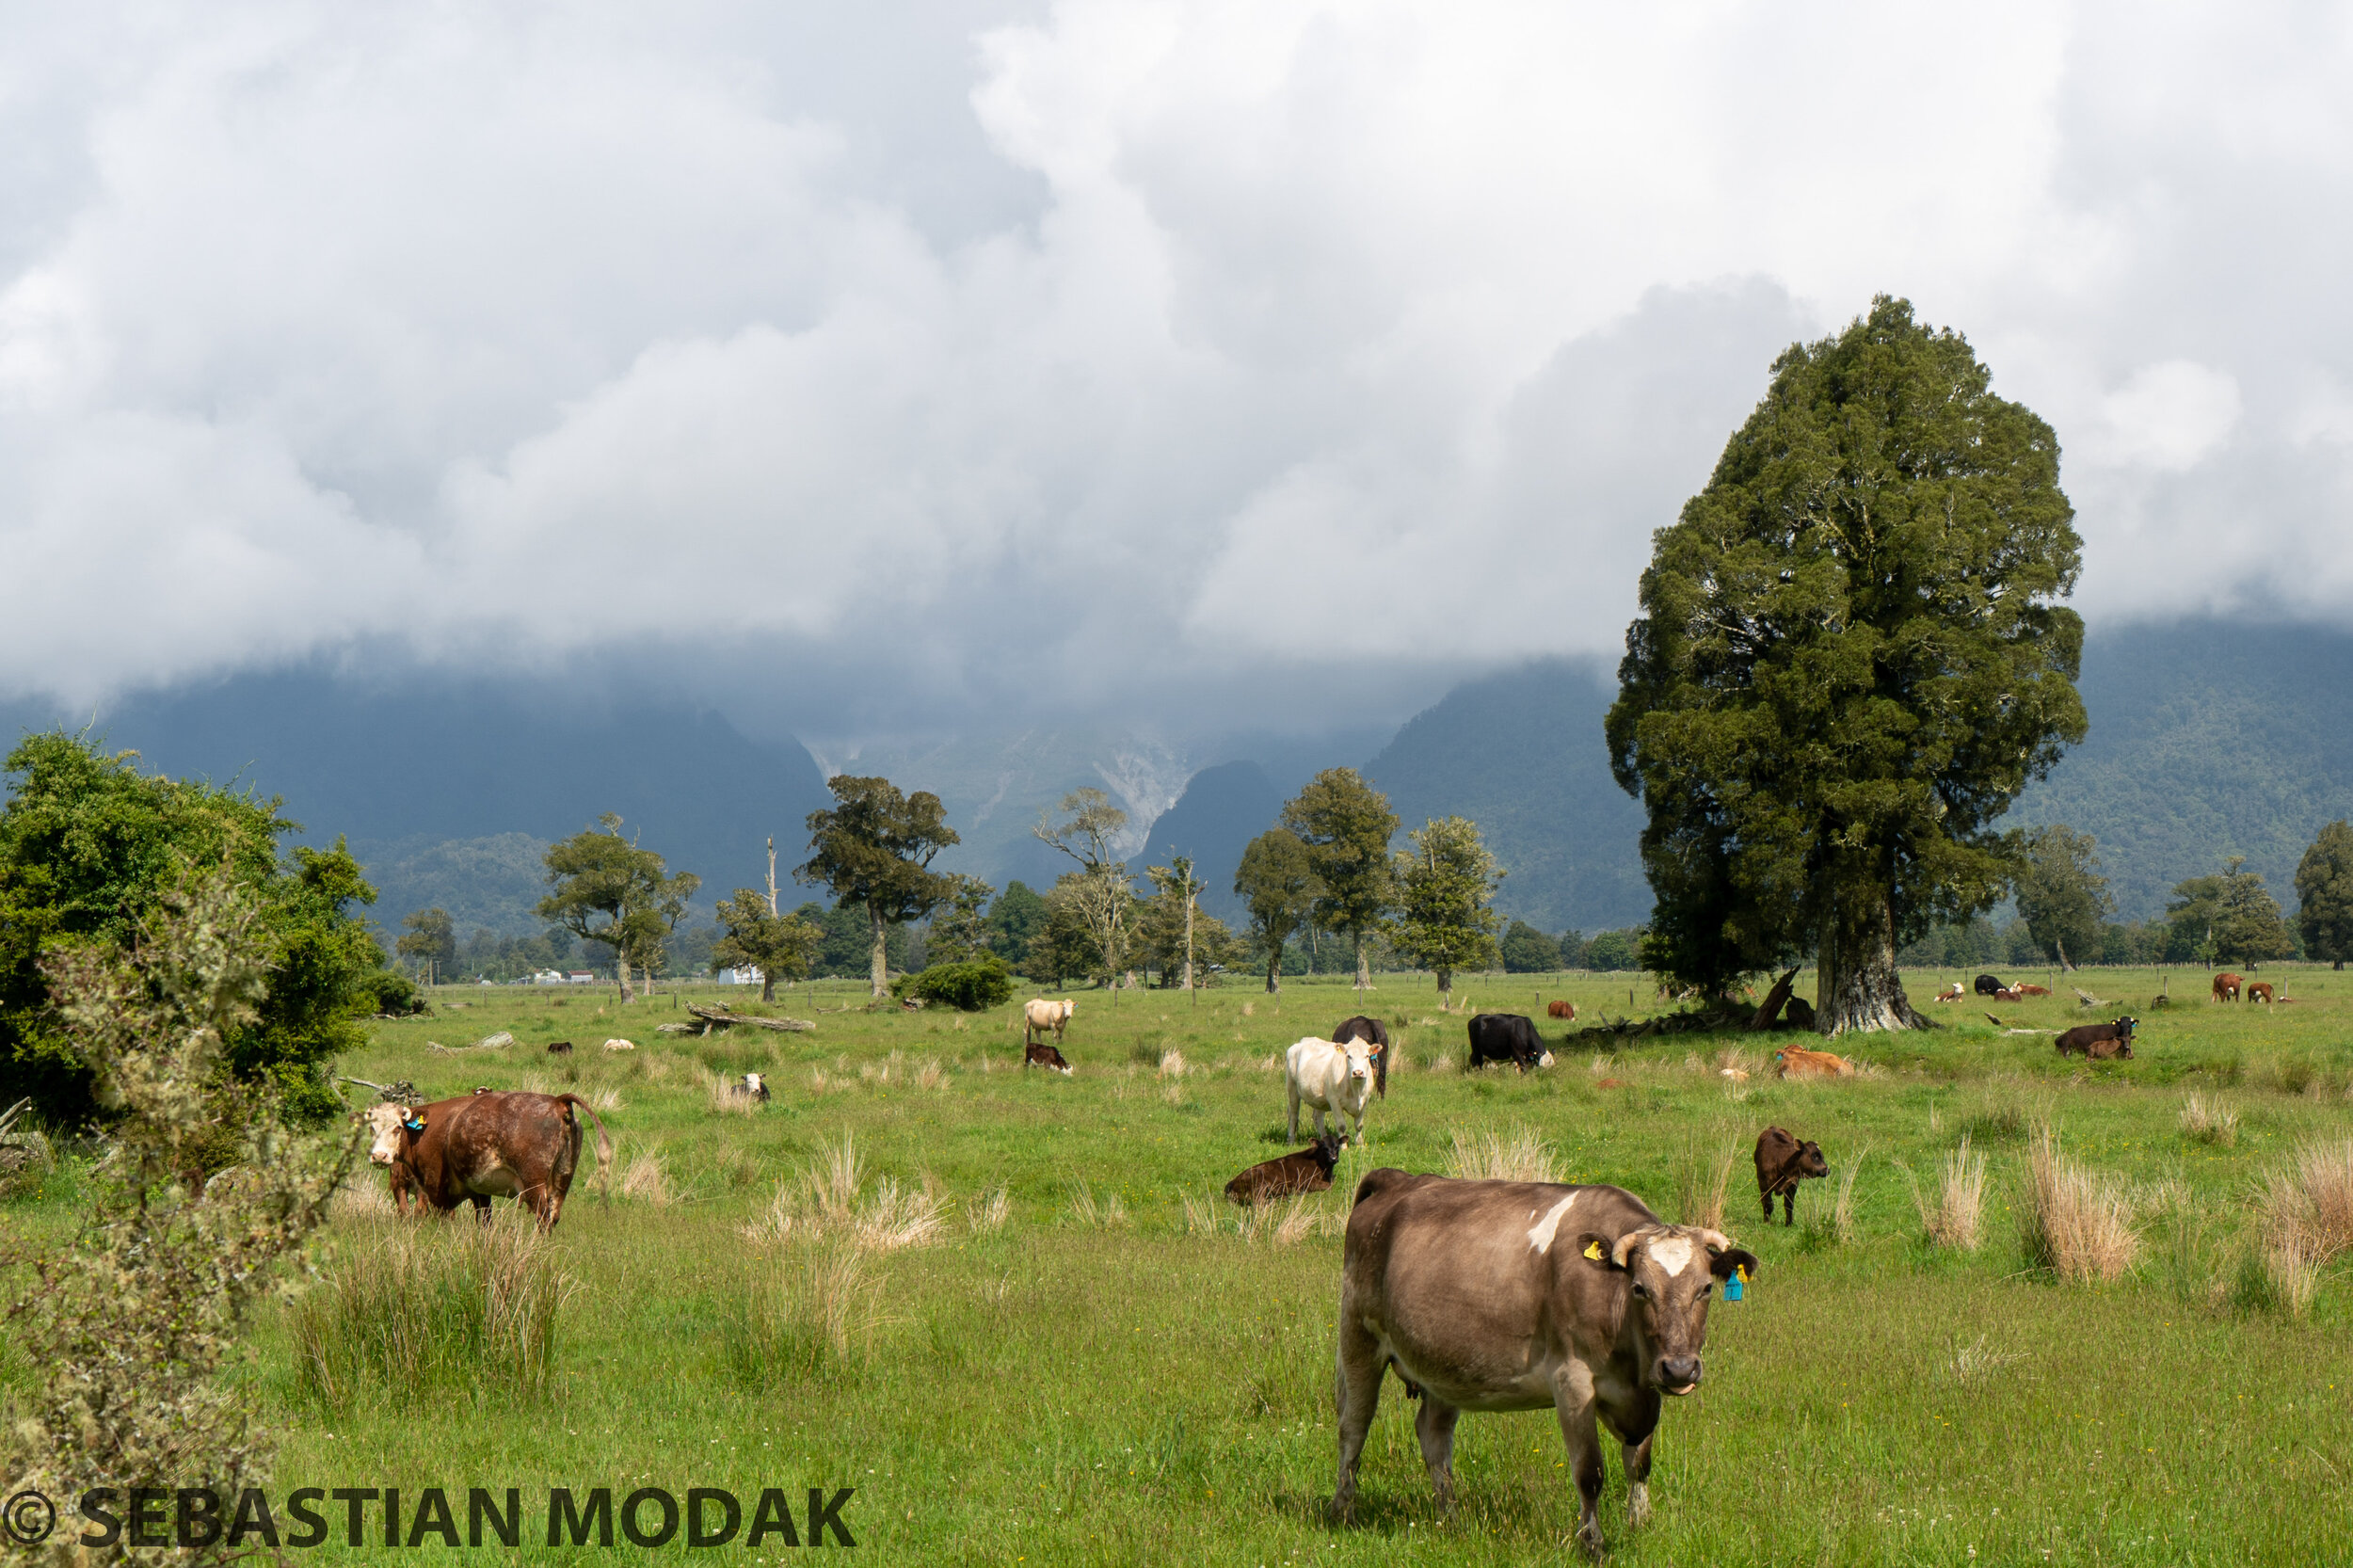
<point x="387" y="993"/>
<point x="815" y="1317"/>
<point x="974" y="986"/>
<point x="2078" y="1224"/>
<point x="828" y="1202"/>
<point x="1703" y="1180"/>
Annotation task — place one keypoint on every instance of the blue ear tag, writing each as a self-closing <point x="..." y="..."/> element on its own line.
<point x="1732" y="1286"/>
<point x="414" y="1124"/>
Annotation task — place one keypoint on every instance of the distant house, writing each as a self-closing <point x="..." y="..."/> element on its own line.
<point x="580" y="977"/>
<point x="746" y="976"/>
<point x="548" y="977"/>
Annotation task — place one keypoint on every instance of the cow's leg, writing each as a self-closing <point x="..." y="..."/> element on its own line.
<point x="1294" y="1093"/>
<point x="1765" y="1196"/>
<point x="1788" y="1207"/>
<point x="1434" y="1426"/>
<point x="482" y="1209"/>
<point x="1636" y="1456"/>
<point x="1356" y="1390"/>
<point x="1572" y="1403"/>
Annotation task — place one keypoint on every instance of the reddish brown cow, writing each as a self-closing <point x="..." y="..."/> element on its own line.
<point x="2099" y="1042"/>
<point x="1782" y="1161"/>
<point x="2226" y="986"/>
<point x="1308" y="1170"/>
<point x="1558" y="1009"/>
<point x="488" y="1144"/>
<point x="2024" y="989"/>
<point x="2259" y="990"/>
<point x="1795" y="1063"/>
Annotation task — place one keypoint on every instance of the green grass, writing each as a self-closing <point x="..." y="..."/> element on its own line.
<point x="1060" y="1391"/>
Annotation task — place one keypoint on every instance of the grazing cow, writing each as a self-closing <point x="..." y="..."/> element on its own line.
<point x="1334" y="1076"/>
<point x="2024" y="989"/>
<point x="751" y="1088"/>
<point x="489" y="1145"/>
<point x="1559" y="1009"/>
<point x="1782" y="1163"/>
<point x="1039" y="1015"/>
<point x="1986" y="985"/>
<point x="1519" y="1295"/>
<point x="1507" y="1037"/>
<point x="1039" y="1054"/>
<point x="2226" y="986"/>
<point x="2099" y="1042"/>
<point x="1950" y="993"/>
<point x="1308" y="1170"/>
<point x="2259" y="990"/>
<point x="560" y="1047"/>
<point x="1795" y="1062"/>
<point x="1369" y="1031"/>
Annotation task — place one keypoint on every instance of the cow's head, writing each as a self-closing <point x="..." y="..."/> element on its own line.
<point x="388" y="1128"/>
<point x="1359" y="1054"/>
<point x="751" y="1083"/>
<point x="1328" y="1148"/>
<point x="1670" y="1274"/>
<point x="2124" y="1028"/>
<point x="1810" y="1160"/>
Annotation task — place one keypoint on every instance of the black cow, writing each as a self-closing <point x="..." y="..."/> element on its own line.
<point x="1507" y="1037"/>
<point x="2099" y="1042"/>
<point x="1370" y="1032"/>
<point x="1988" y="986"/>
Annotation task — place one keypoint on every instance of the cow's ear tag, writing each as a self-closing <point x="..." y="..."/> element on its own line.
<point x="1592" y="1250"/>
<point x="414" y="1124"/>
<point x="1733" y="1287"/>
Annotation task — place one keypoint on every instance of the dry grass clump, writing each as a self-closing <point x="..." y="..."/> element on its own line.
<point x="1704" y="1165"/>
<point x="932" y="1075"/>
<point x="646" y="1180"/>
<point x="363" y="1198"/>
<point x="1089" y="1212"/>
<point x="1975" y="1363"/>
<point x="1954" y="1215"/>
<point x="1833" y="1220"/>
<point x="2209" y="1120"/>
<point x="1172" y="1064"/>
<point x="986" y="1214"/>
<point x="1285" y="1224"/>
<point x="829" y="1200"/>
<point x="725" y="1097"/>
<point x="1517" y="1155"/>
<point x="2308" y="1206"/>
<point x="2078" y="1224"/>
<point x="815" y="1319"/>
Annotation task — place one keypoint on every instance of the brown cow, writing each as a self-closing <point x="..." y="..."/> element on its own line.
<point x="2022" y="988"/>
<point x="2226" y="986"/>
<point x="1308" y="1170"/>
<point x="1797" y="1062"/>
<point x="560" y="1047"/>
<point x="1558" y="1008"/>
<point x="2099" y="1042"/>
<point x="1782" y="1163"/>
<point x="491" y="1144"/>
<point x="2259" y="990"/>
<point x="1039" y="1054"/>
<point x="1520" y="1295"/>
<point x="1369" y="1029"/>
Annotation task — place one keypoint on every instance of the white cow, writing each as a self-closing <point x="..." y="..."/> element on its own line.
<point x="1333" y="1078"/>
<point x="1040" y="1016"/>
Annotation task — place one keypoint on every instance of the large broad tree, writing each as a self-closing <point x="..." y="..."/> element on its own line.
<point x="2061" y="895"/>
<point x="605" y="889"/>
<point x="960" y="931"/>
<point x="754" y="935"/>
<point x="2230" y="919"/>
<point x="429" y="940"/>
<point x="1172" y="917"/>
<point x="1346" y="825"/>
<point x="1446" y="881"/>
<point x="1849" y="661"/>
<point x="874" y="850"/>
<point x="1099" y="890"/>
<point x="2324" y="892"/>
<point x="1276" y="882"/>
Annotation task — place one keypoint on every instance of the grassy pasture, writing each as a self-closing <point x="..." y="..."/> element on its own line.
<point x="1100" y="1382"/>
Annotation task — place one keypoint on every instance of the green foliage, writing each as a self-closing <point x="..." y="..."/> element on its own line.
<point x="1444" y="882"/>
<point x="130" y="1324"/>
<point x="2062" y="898"/>
<point x="1346" y="826"/>
<point x="874" y="850"/>
<point x="89" y="847"/>
<point x="1065" y="945"/>
<point x="1018" y="914"/>
<point x="2230" y="919"/>
<point x="428" y="935"/>
<point x="1167" y="941"/>
<point x="1616" y="950"/>
<point x="846" y="950"/>
<point x="390" y="994"/>
<point x="752" y="935"/>
<point x="1848" y="664"/>
<point x="607" y="889"/>
<point x="962" y="932"/>
<point x="1276" y="882"/>
<point x="968" y="985"/>
<point x="2324" y="893"/>
<point x="1528" y="950"/>
<point x="1098" y="892"/>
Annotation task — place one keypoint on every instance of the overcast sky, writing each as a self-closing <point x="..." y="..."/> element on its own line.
<point x="887" y="362"/>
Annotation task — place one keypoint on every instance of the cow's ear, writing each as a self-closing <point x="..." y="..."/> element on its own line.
<point x="1723" y="1263"/>
<point x="1598" y="1249"/>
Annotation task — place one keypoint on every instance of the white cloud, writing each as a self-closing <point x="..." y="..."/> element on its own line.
<point x="962" y="354"/>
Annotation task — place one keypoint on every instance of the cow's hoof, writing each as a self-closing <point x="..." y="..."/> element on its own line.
<point x="1589" y="1537"/>
<point x="1638" y="1506"/>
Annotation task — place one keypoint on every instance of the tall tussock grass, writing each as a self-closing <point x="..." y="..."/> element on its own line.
<point x="2207" y="1119"/>
<point x="2308" y="1205"/>
<point x="1515" y="1155"/>
<point x="814" y="1317"/>
<point x="422" y="1307"/>
<point x="1704" y="1166"/>
<point x="828" y="1201"/>
<point x="1953" y="1214"/>
<point x="2078" y="1224"/>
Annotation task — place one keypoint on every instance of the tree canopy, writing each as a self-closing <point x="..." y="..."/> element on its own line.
<point x="2324" y="893"/>
<point x="1445" y="881"/>
<point x="1276" y="882"/>
<point x="89" y="847"/>
<point x="1528" y="950"/>
<point x="1346" y="826"/>
<point x="1100" y="890"/>
<point x="873" y="850"/>
<point x="607" y="889"/>
<point x="1849" y="661"/>
<point x="429" y="936"/>
<point x="2061" y="895"/>
<point x="754" y="935"/>
<point x="2230" y="919"/>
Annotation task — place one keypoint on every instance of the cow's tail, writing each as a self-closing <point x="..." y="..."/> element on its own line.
<point x="605" y="1146"/>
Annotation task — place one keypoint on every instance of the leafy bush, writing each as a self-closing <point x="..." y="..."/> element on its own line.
<point x="391" y="994"/>
<point x="971" y="987"/>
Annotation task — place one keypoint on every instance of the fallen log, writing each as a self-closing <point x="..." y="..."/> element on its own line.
<point x="1775" y="1000"/>
<point x="719" y="1017"/>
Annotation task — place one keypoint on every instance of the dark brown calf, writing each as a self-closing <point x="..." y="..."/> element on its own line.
<point x="561" y="1047"/>
<point x="1039" y="1054"/>
<point x="491" y="1145"/>
<point x="1308" y="1170"/>
<point x="1369" y="1031"/>
<point x="2099" y="1042"/>
<point x="1782" y="1161"/>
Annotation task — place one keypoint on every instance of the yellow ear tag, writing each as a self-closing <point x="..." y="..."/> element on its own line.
<point x="1592" y="1250"/>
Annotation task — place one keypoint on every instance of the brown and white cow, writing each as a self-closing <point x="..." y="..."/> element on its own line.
<point x="2259" y="990"/>
<point x="1519" y="1295"/>
<point x="1039" y="1054"/>
<point x="489" y="1145"/>
<point x="2226" y="986"/>
<point x="1950" y="993"/>
<point x="2108" y="1042"/>
<point x="1038" y="1015"/>
<point x="1558" y="1008"/>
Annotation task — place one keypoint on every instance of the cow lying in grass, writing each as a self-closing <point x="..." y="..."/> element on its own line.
<point x="1520" y="1295"/>
<point x="2099" y="1042"/>
<point x="1039" y="1054"/>
<point x="1796" y="1062"/>
<point x="1308" y="1170"/>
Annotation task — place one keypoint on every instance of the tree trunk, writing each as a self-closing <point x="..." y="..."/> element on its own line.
<point x="1768" y="1012"/>
<point x="1861" y="991"/>
<point x="880" y="971"/>
<point x="620" y="967"/>
<point x="1188" y="941"/>
<point x="1364" y="975"/>
<point x="767" y="986"/>
<point x="1446" y="982"/>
